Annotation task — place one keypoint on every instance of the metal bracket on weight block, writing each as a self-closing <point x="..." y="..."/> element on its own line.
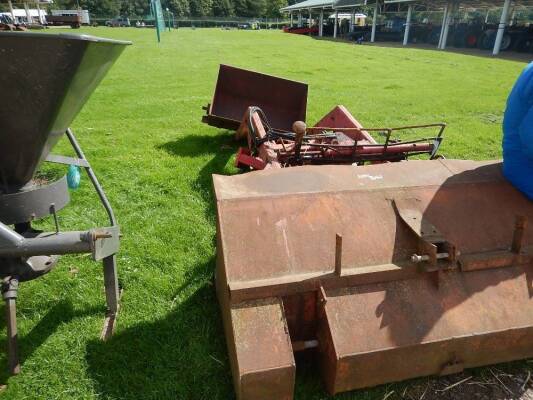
<point x="435" y="253"/>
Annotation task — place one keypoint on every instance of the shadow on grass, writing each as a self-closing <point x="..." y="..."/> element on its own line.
<point x="182" y="356"/>
<point x="59" y="314"/>
<point x="510" y="55"/>
<point x="222" y="147"/>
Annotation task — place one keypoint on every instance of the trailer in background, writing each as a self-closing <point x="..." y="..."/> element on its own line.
<point x="83" y="14"/>
<point x="74" y="21"/>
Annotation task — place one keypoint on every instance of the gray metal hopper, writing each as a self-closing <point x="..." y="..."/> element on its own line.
<point x="45" y="80"/>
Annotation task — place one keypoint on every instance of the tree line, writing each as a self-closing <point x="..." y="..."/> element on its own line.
<point x="180" y="8"/>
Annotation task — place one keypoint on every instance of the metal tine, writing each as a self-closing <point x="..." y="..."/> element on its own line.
<point x="338" y="254"/>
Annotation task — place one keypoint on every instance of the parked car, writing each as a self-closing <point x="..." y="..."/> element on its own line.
<point x="253" y="25"/>
<point x="6" y="23"/>
<point x="119" y="22"/>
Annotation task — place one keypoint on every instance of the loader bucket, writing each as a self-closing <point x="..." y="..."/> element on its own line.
<point x="388" y="272"/>
<point x="48" y="78"/>
<point x="283" y="100"/>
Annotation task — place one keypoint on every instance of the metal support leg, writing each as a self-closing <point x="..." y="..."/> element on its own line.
<point x="501" y="27"/>
<point x="112" y="292"/>
<point x="407" y="25"/>
<point x="336" y="26"/>
<point x="321" y="24"/>
<point x="112" y="295"/>
<point x="28" y="14"/>
<point x="39" y="12"/>
<point x="374" y="22"/>
<point x="10" y="4"/>
<point x="444" y="19"/>
<point x="9" y="293"/>
<point x="447" y="27"/>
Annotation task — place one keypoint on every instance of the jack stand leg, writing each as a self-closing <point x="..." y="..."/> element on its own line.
<point x="9" y="293"/>
<point x="112" y="294"/>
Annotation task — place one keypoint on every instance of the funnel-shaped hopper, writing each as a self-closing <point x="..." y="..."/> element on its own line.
<point x="46" y="80"/>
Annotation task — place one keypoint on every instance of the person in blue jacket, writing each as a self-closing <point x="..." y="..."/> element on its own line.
<point x="518" y="134"/>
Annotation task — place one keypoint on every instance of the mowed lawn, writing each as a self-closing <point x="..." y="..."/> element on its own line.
<point x="142" y="132"/>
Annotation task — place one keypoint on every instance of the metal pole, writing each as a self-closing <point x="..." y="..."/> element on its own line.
<point x="407" y="25"/>
<point x="352" y="20"/>
<point x="335" y="27"/>
<point x="29" y="19"/>
<point x="11" y="10"/>
<point x="39" y="12"/>
<point x="444" y="19"/>
<point x="501" y="27"/>
<point x="292" y="20"/>
<point x="374" y="23"/>
<point x="487" y="16"/>
<point x="300" y="18"/>
<point x="321" y="26"/>
<point x="310" y="23"/>
<point x="447" y="27"/>
<point x="154" y="11"/>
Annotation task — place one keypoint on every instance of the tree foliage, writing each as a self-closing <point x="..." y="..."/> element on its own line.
<point x="180" y="8"/>
<point x="95" y="7"/>
<point x="250" y="8"/>
<point x="273" y="7"/>
<point x="201" y="8"/>
<point x="223" y="8"/>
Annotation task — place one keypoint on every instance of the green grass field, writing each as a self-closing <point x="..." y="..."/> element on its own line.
<point x="142" y="132"/>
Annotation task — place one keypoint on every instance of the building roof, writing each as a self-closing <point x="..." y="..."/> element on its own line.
<point x="463" y="4"/>
<point x="304" y="5"/>
<point x="351" y="3"/>
<point x="330" y="4"/>
<point x="426" y="4"/>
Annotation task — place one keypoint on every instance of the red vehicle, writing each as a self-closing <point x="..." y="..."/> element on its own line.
<point x="302" y="31"/>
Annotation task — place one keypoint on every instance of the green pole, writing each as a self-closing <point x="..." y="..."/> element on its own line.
<point x="156" y="22"/>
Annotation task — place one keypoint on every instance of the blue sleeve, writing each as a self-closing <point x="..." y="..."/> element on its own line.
<point x="525" y="84"/>
<point x="526" y="133"/>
